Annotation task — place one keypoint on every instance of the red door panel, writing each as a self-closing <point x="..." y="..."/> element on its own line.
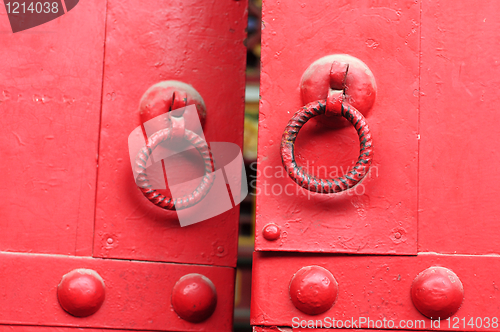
<point x="449" y="108"/>
<point x="137" y="294"/>
<point x="50" y="94"/>
<point x="376" y="287"/>
<point x="459" y="115"/>
<point x="20" y="328"/>
<point x="68" y="188"/>
<point x="286" y="329"/>
<point x="199" y="43"/>
<point x="379" y="215"/>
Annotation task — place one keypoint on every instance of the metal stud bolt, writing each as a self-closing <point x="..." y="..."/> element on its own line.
<point x="271" y="232"/>
<point x="194" y="298"/>
<point x="81" y="292"/>
<point x="437" y="292"/>
<point x="313" y="290"/>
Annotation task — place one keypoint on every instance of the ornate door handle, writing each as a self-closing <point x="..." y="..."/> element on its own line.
<point x="173" y="97"/>
<point x="310" y="182"/>
<point x="186" y="201"/>
<point x="334" y="104"/>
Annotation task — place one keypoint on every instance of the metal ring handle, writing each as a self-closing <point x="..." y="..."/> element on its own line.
<point x="186" y="201"/>
<point x="310" y="182"/>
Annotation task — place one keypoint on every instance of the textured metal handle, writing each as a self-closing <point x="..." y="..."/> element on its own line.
<point x="338" y="184"/>
<point x="186" y="201"/>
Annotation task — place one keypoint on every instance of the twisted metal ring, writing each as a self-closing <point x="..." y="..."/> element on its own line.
<point x="310" y="182"/>
<point x="183" y="202"/>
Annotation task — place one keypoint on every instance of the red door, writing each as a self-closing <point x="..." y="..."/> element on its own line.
<point x="413" y="243"/>
<point x="70" y="98"/>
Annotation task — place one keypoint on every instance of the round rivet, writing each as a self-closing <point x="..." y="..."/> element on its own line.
<point x="174" y="95"/>
<point x="437" y="292"/>
<point x="271" y="232"/>
<point x="397" y="235"/>
<point x="81" y="292"/>
<point x="329" y="73"/>
<point x="194" y="297"/>
<point x="313" y="290"/>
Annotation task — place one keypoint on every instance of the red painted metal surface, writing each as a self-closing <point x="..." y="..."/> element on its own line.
<point x="437" y="292"/>
<point x="194" y="297"/>
<point x="138" y="294"/>
<point x="81" y="292"/>
<point x="313" y="290"/>
<point x="340" y="72"/>
<point x="168" y="96"/>
<point x="23" y="328"/>
<point x="376" y="287"/>
<point x="459" y="78"/>
<point x="199" y="43"/>
<point x="286" y="329"/>
<point x="50" y="96"/>
<point x="384" y="36"/>
<point x="71" y="92"/>
<point x="447" y="67"/>
<point x="271" y="232"/>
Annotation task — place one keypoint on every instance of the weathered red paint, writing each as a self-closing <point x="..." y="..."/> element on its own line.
<point x="81" y="292"/>
<point x="340" y="72"/>
<point x="167" y="96"/>
<point x="374" y="286"/>
<point x="70" y="94"/>
<point x="138" y="294"/>
<point x="50" y="108"/>
<point x="194" y="298"/>
<point x="459" y="74"/>
<point x="437" y="292"/>
<point x="287" y="329"/>
<point x="23" y="328"/>
<point x="365" y="221"/>
<point x="198" y="43"/>
<point x="431" y="70"/>
<point x="334" y="103"/>
<point x="313" y="290"/>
